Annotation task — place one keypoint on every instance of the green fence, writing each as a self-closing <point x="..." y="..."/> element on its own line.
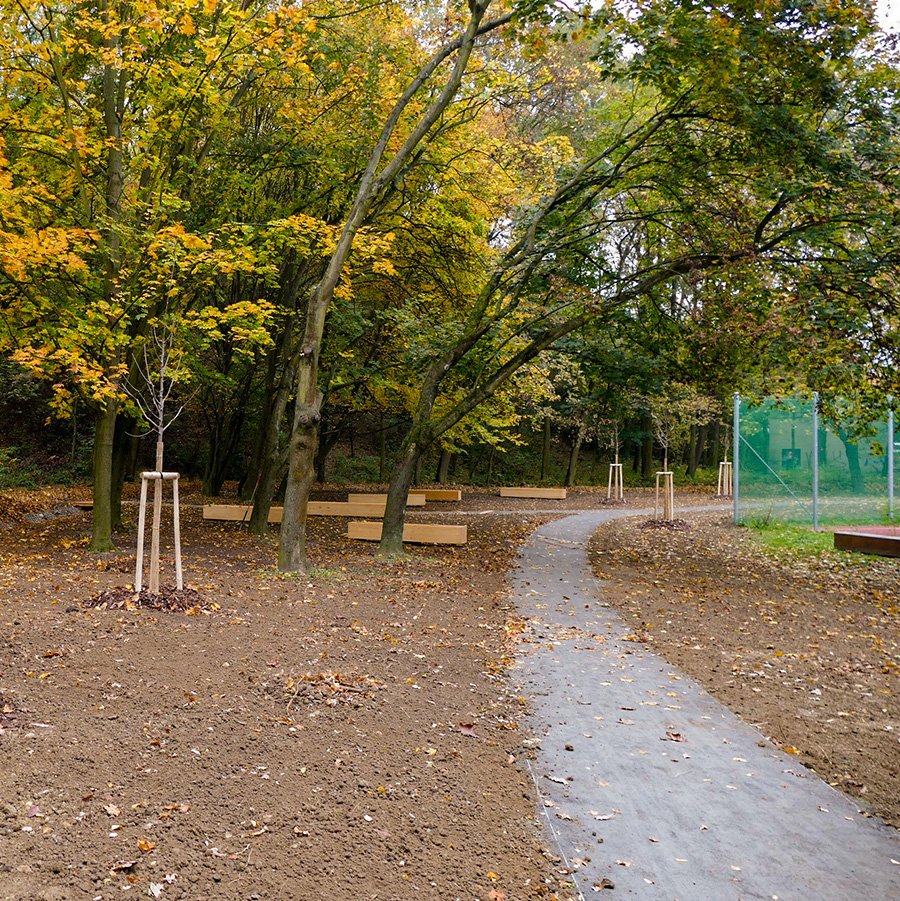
<point x="793" y="464"/>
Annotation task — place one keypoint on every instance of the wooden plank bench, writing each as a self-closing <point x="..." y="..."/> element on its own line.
<point x="236" y="512"/>
<point x="413" y="533"/>
<point x="241" y="512"/>
<point x="441" y="494"/>
<point x="554" y="494"/>
<point x="413" y="499"/>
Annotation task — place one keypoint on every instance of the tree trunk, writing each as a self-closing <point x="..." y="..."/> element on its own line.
<point x="699" y="447"/>
<point x="690" y="456"/>
<point x="712" y="450"/>
<point x="851" y="449"/>
<point x="157" y="516"/>
<point x="121" y="457"/>
<point x="573" y="459"/>
<point x="490" y="472"/>
<point x="327" y="444"/>
<point x="303" y="441"/>
<point x="272" y="459"/>
<point x="395" y="510"/>
<point x="647" y="448"/>
<point x="382" y="449"/>
<point x="545" y="450"/>
<point x="101" y="534"/>
<point x="443" y="469"/>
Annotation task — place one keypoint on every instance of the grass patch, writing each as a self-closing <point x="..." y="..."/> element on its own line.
<point x="794" y="540"/>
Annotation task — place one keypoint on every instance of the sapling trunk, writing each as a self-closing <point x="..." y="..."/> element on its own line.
<point x="157" y="516"/>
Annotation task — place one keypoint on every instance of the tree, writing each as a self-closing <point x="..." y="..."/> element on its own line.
<point x="384" y="165"/>
<point x="704" y="172"/>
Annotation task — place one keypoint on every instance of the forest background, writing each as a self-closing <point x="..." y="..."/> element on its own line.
<point x="433" y="240"/>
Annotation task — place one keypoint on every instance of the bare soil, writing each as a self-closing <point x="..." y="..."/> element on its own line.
<point x="344" y="736"/>
<point x="807" y="649"/>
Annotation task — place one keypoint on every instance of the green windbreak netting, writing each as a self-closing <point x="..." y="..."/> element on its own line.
<point x="776" y="465"/>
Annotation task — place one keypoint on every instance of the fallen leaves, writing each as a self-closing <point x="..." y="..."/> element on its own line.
<point x="145" y="846"/>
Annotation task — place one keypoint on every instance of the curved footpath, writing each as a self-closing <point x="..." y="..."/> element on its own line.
<point x="648" y="783"/>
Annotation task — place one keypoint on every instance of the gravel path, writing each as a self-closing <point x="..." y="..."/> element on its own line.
<point x="650" y="786"/>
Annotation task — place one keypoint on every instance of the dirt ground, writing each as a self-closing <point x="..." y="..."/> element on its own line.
<point x="345" y="736"/>
<point x="806" y="649"/>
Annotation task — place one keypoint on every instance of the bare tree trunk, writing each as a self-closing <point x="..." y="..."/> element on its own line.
<point x="443" y="469"/>
<point x="647" y="448"/>
<point x="101" y="535"/>
<point x="121" y="454"/>
<point x="545" y="450"/>
<point x="382" y="448"/>
<point x="573" y="459"/>
<point x="157" y="516"/>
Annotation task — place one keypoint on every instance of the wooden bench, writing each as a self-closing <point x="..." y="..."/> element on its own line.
<point x="441" y="494"/>
<point x="413" y="533"/>
<point x="555" y="494"/>
<point x="236" y="512"/>
<point x="413" y="499"/>
<point x="242" y="512"/>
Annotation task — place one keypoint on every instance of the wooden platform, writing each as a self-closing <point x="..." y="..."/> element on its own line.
<point x="241" y="512"/>
<point x="881" y="540"/>
<point x="83" y="505"/>
<point x="413" y="499"/>
<point x="441" y="494"/>
<point x="553" y="494"/>
<point x="413" y="533"/>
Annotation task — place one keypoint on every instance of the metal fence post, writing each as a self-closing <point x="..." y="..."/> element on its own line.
<point x="890" y="460"/>
<point x="736" y="456"/>
<point x="815" y="462"/>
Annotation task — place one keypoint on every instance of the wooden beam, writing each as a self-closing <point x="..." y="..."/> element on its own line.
<point x="556" y="494"/>
<point x="413" y="499"/>
<point x="342" y="508"/>
<point x="236" y="512"/>
<point x="413" y="533"/>
<point x="241" y="512"/>
<point x="441" y="494"/>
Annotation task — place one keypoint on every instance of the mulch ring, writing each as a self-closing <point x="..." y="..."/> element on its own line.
<point x="169" y="598"/>
<point x="671" y="525"/>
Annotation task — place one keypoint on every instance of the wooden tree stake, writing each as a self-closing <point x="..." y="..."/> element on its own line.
<point x="665" y="484"/>
<point x="726" y="480"/>
<point x="615" y="489"/>
<point x="157" y="478"/>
